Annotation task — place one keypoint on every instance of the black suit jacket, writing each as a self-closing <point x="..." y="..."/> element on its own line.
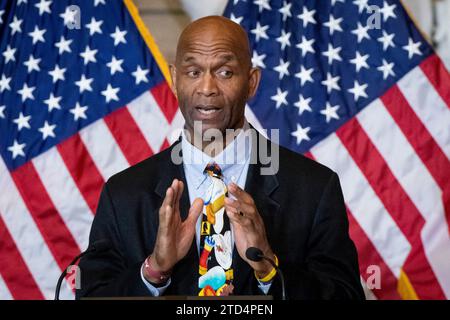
<point x="303" y="211"/>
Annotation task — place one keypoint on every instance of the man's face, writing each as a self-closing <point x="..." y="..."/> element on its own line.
<point x="213" y="79"/>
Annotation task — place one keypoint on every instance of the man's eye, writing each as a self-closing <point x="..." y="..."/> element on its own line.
<point x="193" y="73"/>
<point x="225" y="73"/>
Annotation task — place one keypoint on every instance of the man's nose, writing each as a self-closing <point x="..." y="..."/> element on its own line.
<point x="208" y="85"/>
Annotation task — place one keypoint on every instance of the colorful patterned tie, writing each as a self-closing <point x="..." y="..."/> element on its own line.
<point x="215" y="272"/>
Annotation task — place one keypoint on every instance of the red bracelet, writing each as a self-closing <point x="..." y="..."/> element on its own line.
<point x="151" y="273"/>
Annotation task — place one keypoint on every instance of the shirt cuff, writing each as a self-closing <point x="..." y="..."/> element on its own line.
<point x="264" y="286"/>
<point x="155" y="292"/>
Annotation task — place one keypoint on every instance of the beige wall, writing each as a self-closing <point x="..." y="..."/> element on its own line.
<point x="165" y="19"/>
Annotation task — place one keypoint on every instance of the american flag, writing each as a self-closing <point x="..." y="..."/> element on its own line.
<point x="354" y="85"/>
<point x="82" y="96"/>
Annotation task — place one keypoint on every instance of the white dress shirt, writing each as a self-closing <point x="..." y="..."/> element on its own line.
<point x="234" y="161"/>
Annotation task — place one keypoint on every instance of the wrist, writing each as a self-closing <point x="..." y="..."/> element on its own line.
<point x="267" y="273"/>
<point x="153" y="273"/>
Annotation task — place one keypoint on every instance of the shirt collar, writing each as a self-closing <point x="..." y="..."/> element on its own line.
<point x="235" y="154"/>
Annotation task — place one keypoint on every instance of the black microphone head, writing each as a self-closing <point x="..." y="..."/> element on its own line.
<point x="254" y="254"/>
<point x="101" y="245"/>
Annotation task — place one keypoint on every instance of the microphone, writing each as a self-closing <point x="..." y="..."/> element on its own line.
<point x="98" y="246"/>
<point x="256" y="255"/>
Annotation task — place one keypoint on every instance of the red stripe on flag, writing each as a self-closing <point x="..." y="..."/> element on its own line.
<point x="14" y="270"/>
<point x="166" y="100"/>
<point x="82" y="169"/>
<point x="437" y="74"/>
<point x="53" y="229"/>
<point x="369" y="257"/>
<point x="396" y="202"/>
<point x="421" y="140"/>
<point x="128" y="136"/>
<point x="165" y="145"/>
<point x="308" y="154"/>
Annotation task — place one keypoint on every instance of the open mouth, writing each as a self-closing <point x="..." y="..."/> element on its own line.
<point x="207" y="110"/>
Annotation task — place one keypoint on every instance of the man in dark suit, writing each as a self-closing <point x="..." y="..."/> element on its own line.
<point x="296" y="215"/>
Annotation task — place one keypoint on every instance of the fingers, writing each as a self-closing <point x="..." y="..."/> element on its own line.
<point x="240" y="207"/>
<point x="171" y="201"/>
<point x="239" y="194"/>
<point x="178" y="198"/>
<point x="195" y="211"/>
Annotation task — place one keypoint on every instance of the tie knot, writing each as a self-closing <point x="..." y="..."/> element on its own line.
<point x="213" y="170"/>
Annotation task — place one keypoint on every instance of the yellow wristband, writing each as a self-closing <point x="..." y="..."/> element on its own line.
<point x="271" y="274"/>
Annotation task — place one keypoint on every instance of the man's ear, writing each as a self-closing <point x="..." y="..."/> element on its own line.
<point x="173" y="75"/>
<point x="254" y="78"/>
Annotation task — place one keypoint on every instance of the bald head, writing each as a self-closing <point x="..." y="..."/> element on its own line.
<point x="213" y="76"/>
<point x="212" y="30"/>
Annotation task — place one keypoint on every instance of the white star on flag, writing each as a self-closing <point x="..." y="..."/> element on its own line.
<point x="306" y="46"/>
<point x="22" y="121"/>
<point x="303" y="104"/>
<point x="235" y="19"/>
<point x="360" y="61"/>
<point x="57" y="73"/>
<point x="94" y="26"/>
<point x="110" y="93"/>
<point x="307" y="17"/>
<point x="304" y="75"/>
<point x="284" y="39"/>
<point x="15" y="25"/>
<point x="358" y="90"/>
<point x="388" y="11"/>
<point x="285" y="10"/>
<point x="387" y="69"/>
<point x="32" y="64"/>
<point x="26" y="92"/>
<point x="44" y="6"/>
<point x="282" y="68"/>
<point x="258" y="60"/>
<point x="4" y="83"/>
<point x="115" y="65"/>
<point x="280" y="98"/>
<point x="263" y="4"/>
<point x="9" y="54"/>
<point x="387" y="40"/>
<point x="17" y="149"/>
<point x="63" y="45"/>
<point x="89" y="55"/>
<point x="68" y="16"/>
<point x="37" y="35"/>
<point x="412" y="48"/>
<point x="301" y="133"/>
<point x="260" y="31"/>
<point x="362" y="5"/>
<point x="361" y="32"/>
<point x="331" y="83"/>
<point x="84" y="83"/>
<point x="78" y="112"/>
<point x="330" y="112"/>
<point x="140" y="75"/>
<point x="119" y="36"/>
<point x="52" y="102"/>
<point x="332" y="53"/>
<point x="47" y="130"/>
<point x="334" y="24"/>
